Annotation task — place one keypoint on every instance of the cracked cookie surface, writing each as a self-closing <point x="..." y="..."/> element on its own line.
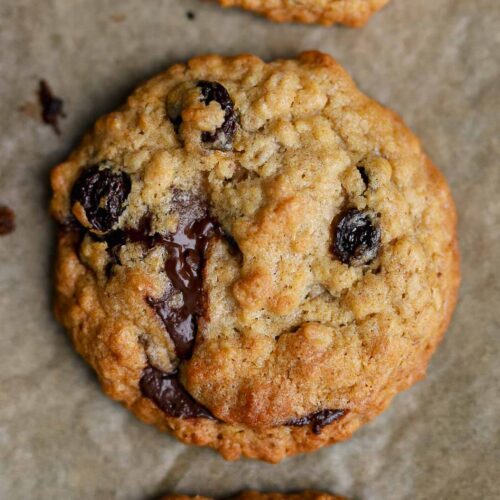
<point x="353" y="13"/>
<point x="255" y="257"/>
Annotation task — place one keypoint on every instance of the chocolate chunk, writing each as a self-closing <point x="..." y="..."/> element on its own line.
<point x="116" y="239"/>
<point x="357" y="238"/>
<point x="186" y="251"/>
<point x="52" y="106"/>
<point x="102" y="193"/>
<point x="364" y="175"/>
<point x="317" y="420"/>
<point x="190" y="15"/>
<point x="140" y="234"/>
<point x="166" y="391"/>
<point x="7" y="220"/>
<point x="222" y="137"/>
<point x="176" y="121"/>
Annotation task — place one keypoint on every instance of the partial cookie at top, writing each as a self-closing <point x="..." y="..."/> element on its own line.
<point x="254" y="256"/>
<point x="353" y="13"/>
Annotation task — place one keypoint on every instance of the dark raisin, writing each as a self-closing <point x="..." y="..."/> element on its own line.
<point x="222" y="137"/>
<point x="52" y="106"/>
<point x="102" y="193"/>
<point x="7" y="220"/>
<point x="356" y="239"/>
<point x="318" y="420"/>
<point x="166" y="391"/>
<point x="190" y="15"/>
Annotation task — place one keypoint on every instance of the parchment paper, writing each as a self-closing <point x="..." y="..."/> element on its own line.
<point x="436" y="62"/>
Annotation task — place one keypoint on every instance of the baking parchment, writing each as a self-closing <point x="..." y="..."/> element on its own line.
<point x="436" y="62"/>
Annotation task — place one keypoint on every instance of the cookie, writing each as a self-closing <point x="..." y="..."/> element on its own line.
<point x="254" y="495"/>
<point x="354" y="13"/>
<point x="254" y="257"/>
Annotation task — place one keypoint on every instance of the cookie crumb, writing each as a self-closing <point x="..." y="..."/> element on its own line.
<point x="52" y="106"/>
<point x="118" y="18"/>
<point x="7" y="220"/>
<point x="190" y="15"/>
<point x="30" y="109"/>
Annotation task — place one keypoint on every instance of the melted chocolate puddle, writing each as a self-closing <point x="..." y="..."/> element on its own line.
<point x="184" y="265"/>
<point x="186" y="250"/>
<point x="318" y="420"/>
<point x="165" y="390"/>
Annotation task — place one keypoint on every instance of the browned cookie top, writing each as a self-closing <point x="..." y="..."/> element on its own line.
<point x="254" y="256"/>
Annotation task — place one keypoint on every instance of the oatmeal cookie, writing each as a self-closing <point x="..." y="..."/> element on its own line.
<point x="255" y="495"/>
<point x="354" y="13"/>
<point x="254" y="256"/>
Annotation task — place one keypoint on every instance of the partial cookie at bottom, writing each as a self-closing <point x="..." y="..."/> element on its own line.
<point x="255" y="495"/>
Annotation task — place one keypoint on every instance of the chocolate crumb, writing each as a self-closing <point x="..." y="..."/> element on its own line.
<point x="52" y="106"/>
<point x="190" y="15"/>
<point x="7" y="220"/>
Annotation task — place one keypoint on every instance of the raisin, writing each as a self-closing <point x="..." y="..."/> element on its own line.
<point x="318" y="420"/>
<point x="166" y="391"/>
<point x="357" y="238"/>
<point x="222" y="137"/>
<point x="102" y="194"/>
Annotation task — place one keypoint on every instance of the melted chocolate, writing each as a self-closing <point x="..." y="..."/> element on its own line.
<point x="186" y="252"/>
<point x="184" y="264"/>
<point x="166" y="391"/>
<point x="364" y="175"/>
<point x="318" y="420"/>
